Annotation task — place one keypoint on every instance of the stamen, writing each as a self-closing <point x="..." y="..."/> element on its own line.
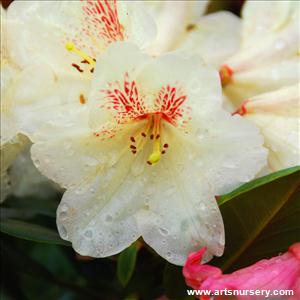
<point x="77" y="68"/>
<point x="71" y="47"/>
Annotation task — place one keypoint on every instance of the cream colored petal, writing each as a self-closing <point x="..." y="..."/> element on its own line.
<point x="68" y="157"/>
<point x="266" y="17"/>
<point x="9" y="128"/>
<point x="38" y="96"/>
<point x="215" y="37"/>
<point x="260" y="80"/>
<point x="231" y="150"/>
<point x="278" y="117"/>
<point x="39" y="30"/>
<point x="98" y="214"/>
<point x="172" y="18"/>
<point x="273" y="48"/>
<point x="199" y="82"/>
<point x="180" y="213"/>
<point x="139" y="26"/>
<point x="120" y="58"/>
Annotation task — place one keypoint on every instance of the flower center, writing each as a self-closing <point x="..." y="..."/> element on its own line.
<point x="128" y="106"/>
<point x="151" y="130"/>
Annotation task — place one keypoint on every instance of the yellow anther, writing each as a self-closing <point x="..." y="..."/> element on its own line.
<point x="71" y="47"/>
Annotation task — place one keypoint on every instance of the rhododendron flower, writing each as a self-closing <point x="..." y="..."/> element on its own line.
<point x="147" y="156"/>
<point x="268" y="58"/>
<point x="278" y="273"/>
<point x="278" y="117"/>
<point x="57" y="42"/>
<point x="43" y="31"/>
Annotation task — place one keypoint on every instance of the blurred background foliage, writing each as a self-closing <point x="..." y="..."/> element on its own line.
<point x="37" y="264"/>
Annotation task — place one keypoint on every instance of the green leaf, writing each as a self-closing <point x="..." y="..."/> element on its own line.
<point x="257" y="183"/>
<point x="33" y="205"/>
<point x="261" y="219"/>
<point x="126" y="264"/>
<point x="174" y="284"/>
<point x="32" y="232"/>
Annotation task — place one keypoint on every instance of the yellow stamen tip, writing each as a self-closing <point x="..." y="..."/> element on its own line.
<point x="70" y="46"/>
<point x="154" y="157"/>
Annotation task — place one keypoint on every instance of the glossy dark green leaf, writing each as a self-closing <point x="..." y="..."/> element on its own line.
<point x="126" y="264"/>
<point x="34" y="205"/>
<point x="261" y="219"/>
<point x="32" y="232"/>
<point x="174" y="284"/>
<point x="257" y="183"/>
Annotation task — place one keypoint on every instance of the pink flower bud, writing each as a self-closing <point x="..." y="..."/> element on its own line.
<point x="278" y="273"/>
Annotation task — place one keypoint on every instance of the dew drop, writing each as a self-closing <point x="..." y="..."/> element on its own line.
<point x="163" y="231"/>
<point x="63" y="232"/>
<point x="64" y="207"/>
<point x="37" y="163"/>
<point x="62" y="216"/>
<point x="88" y="234"/>
<point x="169" y="254"/>
<point x="202" y="206"/>
<point x="108" y="218"/>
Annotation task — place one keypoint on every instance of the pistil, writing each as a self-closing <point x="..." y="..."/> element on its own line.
<point x="71" y="47"/>
<point x="155" y="156"/>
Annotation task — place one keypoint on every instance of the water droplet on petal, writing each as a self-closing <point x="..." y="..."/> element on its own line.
<point x="62" y="216"/>
<point x="37" y="163"/>
<point x="63" y="207"/>
<point x="63" y="232"/>
<point x="108" y="218"/>
<point x="163" y="231"/>
<point x="88" y="234"/>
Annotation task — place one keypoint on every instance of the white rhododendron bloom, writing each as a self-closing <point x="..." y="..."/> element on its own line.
<point x="44" y="31"/>
<point x="277" y="115"/>
<point x="57" y="43"/>
<point x="268" y="58"/>
<point x="147" y="155"/>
